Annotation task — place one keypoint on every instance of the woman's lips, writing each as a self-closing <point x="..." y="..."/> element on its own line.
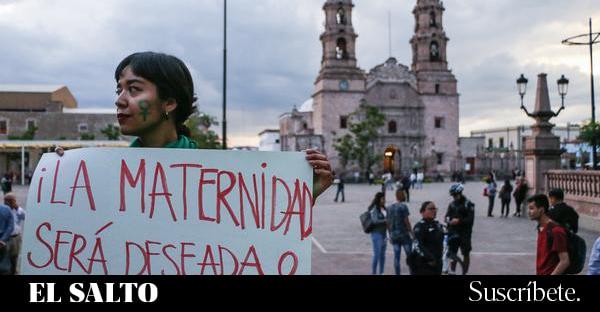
<point x="123" y="117"/>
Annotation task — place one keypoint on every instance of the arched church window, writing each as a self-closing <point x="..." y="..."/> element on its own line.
<point x="434" y="52"/>
<point x="392" y="127"/>
<point x="341" y="53"/>
<point x="341" y="17"/>
<point x="432" y="19"/>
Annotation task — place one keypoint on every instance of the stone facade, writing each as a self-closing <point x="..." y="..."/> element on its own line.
<point x="58" y="125"/>
<point x="420" y="104"/>
<point x="53" y="111"/>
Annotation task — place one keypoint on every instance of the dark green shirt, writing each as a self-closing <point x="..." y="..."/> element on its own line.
<point x="182" y="142"/>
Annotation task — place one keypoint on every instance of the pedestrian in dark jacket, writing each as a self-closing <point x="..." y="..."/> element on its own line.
<point x="379" y="233"/>
<point x="426" y="256"/>
<point x="562" y="213"/>
<point x="405" y="186"/>
<point x="520" y="195"/>
<point x="505" y="196"/>
<point x="340" y="189"/>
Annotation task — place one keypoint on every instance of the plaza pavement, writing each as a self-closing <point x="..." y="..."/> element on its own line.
<point x="500" y="246"/>
<point x="339" y="246"/>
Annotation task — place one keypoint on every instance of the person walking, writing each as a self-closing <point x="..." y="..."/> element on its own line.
<point x="405" y="186"/>
<point x="428" y="246"/>
<point x="505" y="196"/>
<point x="413" y="179"/>
<point x="490" y="192"/>
<point x="16" y="238"/>
<point x="379" y="233"/>
<point x="420" y="179"/>
<point x="399" y="228"/>
<point x="340" y="189"/>
<point x="520" y="194"/>
<point x="552" y="242"/>
<point x="6" y="183"/>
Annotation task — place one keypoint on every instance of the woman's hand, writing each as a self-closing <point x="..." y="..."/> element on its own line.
<point x="322" y="173"/>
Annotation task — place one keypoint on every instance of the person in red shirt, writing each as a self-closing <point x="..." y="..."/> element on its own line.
<point x="552" y="252"/>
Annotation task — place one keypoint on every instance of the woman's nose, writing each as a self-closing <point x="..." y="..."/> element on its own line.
<point x="121" y="102"/>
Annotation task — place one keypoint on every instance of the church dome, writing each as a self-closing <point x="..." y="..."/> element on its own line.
<point x="307" y="106"/>
<point x="391" y="72"/>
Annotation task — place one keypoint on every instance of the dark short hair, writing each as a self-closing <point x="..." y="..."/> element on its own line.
<point x="424" y="206"/>
<point x="540" y="200"/>
<point x="172" y="79"/>
<point x="557" y="193"/>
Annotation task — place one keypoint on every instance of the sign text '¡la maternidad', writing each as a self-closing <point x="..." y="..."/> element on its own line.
<point x="94" y="293"/>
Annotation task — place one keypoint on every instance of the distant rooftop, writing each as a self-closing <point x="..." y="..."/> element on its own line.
<point x="95" y="111"/>
<point x="29" y="88"/>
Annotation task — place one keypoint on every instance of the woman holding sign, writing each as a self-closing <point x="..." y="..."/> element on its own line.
<point x="155" y="96"/>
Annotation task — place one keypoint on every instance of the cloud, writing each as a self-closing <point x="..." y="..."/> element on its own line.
<point x="274" y="50"/>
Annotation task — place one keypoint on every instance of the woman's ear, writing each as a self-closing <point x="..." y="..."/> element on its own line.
<point x="170" y="106"/>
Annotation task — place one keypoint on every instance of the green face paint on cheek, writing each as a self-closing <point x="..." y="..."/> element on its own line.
<point x="144" y="106"/>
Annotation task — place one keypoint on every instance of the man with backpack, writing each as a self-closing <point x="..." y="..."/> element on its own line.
<point x="552" y="242"/>
<point x="562" y="213"/>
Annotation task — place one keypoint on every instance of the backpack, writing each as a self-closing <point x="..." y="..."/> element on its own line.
<point x="576" y="247"/>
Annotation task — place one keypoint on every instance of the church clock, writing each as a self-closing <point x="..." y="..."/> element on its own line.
<point x="344" y="85"/>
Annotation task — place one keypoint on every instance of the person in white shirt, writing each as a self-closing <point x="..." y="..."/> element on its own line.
<point x="17" y="235"/>
<point x="420" y="178"/>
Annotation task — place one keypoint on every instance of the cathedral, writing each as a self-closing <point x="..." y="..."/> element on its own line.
<point x="420" y="103"/>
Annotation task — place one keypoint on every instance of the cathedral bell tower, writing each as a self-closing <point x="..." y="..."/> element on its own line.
<point x="339" y="42"/>
<point x="437" y="86"/>
<point x="429" y="45"/>
<point x="340" y="85"/>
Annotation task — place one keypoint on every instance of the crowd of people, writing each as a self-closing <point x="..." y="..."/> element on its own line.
<point x="432" y="247"/>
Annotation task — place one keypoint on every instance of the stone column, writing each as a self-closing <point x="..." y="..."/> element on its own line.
<point x="542" y="148"/>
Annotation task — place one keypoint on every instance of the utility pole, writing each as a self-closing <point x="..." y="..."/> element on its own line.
<point x="224" y="75"/>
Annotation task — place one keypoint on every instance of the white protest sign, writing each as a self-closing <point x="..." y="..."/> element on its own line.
<point x="169" y="211"/>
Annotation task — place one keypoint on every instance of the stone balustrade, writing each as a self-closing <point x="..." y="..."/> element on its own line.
<point x="582" y="189"/>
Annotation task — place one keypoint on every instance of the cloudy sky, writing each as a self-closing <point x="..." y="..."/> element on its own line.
<point x="274" y="51"/>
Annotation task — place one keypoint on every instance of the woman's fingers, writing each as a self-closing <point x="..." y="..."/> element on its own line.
<point x="59" y="151"/>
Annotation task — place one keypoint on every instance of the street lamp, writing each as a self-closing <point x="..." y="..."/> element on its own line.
<point x="563" y="89"/>
<point x="589" y="39"/>
<point x="522" y="85"/>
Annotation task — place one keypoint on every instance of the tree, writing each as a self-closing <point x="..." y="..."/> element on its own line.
<point x="364" y="130"/>
<point x="199" y="125"/>
<point x="87" y="137"/>
<point x="590" y="133"/>
<point x="345" y="149"/>
<point x="111" y="132"/>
